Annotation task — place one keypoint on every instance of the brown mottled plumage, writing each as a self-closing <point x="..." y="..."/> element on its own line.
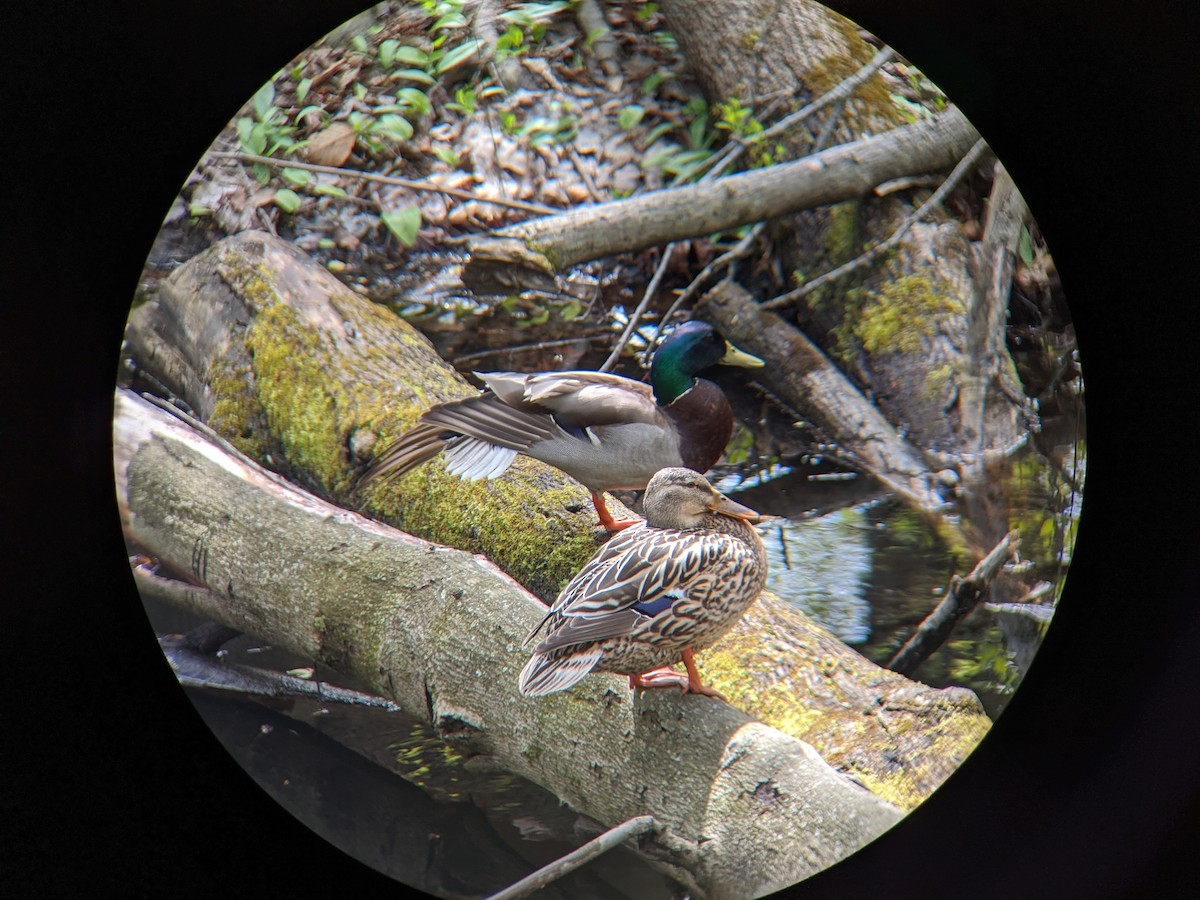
<point x="655" y="593"/>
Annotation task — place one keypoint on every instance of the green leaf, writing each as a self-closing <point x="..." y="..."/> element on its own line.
<point x="360" y="90"/>
<point x="287" y="200"/>
<point x="411" y="56"/>
<point x="397" y="128"/>
<point x="329" y="190"/>
<point x="416" y="100"/>
<point x="302" y="89"/>
<point x="458" y="55"/>
<point x="359" y="43"/>
<point x="450" y="20"/>
<point x="539" y="315"/>
<point x="296" y="177"/>
<point x="243" y="126"/>
<point x="417" y="75"/>
<point x="650" y="85"/>
<point x="313" y="108"/>
<point x="258" y="140"/>
<point x="446" y="155"/>
<point x="630" y="116"/>
<point x="264" y="97"/>
<point x="404" y="224"/>
<point x="571" y="311"/>
<point x="1025" y="247"/>
<point x="656" y="132"/>
<point x="387" y="52"/>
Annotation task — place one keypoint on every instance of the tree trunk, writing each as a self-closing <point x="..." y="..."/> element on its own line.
<point x="900" y="326"/>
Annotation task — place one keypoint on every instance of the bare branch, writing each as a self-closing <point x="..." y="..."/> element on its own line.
<point x="356" y="175"/>
<point x="614" y="837"/>
<point x="962" y="597"/>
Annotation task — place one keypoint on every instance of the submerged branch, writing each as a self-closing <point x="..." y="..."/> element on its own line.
<point x="962" y="597"/>
<point x="612" y="838"/>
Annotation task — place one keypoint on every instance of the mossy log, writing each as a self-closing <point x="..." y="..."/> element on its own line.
<point x="307" y="377"/>
<point x="747" y="809"/>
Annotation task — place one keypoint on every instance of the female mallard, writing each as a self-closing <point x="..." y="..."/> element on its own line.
<point x="605" y="431"/>
<point x="655" y="593"/>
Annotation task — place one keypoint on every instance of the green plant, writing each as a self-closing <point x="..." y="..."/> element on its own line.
<point x="404" y="223"/>
<point x="267" y="131"/>
<point x="375" y="133"/>
<point x="464" y="103"/>
<point x="679" y="162"/>
<point x="630" y="116"/>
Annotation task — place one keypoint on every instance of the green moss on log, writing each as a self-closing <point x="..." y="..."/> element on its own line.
<point x="905" y="313"/>
<point x="901" y="750"/>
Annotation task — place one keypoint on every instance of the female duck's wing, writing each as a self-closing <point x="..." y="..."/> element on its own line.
<point x="640" y="578"/>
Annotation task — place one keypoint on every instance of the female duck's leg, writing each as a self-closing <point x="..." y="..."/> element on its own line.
<point x="688" y="684"/>
<point x="694" y="684"/>
<point x="659" y="678"/>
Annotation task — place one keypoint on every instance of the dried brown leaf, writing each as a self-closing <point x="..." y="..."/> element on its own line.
<point x="332" y="146"/>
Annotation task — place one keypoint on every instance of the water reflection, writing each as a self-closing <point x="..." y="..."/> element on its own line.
<point x="823" y="565"/>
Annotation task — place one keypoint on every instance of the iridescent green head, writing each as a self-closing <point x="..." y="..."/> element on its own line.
<point x="687" y="351"/>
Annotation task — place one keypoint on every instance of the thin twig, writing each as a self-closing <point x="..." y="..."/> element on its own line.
<point x="726" y="158"/>
<point x="842" y="92"/>
<point x="614" y="837"/>
<point x="521" y="348"/>
<point x="739" y="250"/>
<point x="865" y="258"/>
<point x="387" y="179"/>
<point x="651" y="289"/>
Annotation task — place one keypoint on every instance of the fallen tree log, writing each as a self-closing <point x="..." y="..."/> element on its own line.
<point x="748" y="808"/>
<point x="810" y="382"/>
<point x="305" y="375"/>
<point x="548" y="245"/>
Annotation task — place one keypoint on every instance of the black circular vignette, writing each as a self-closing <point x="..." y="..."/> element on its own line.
<point x="1087" y="783"/>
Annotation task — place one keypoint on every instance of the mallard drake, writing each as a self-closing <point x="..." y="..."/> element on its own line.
<point x="654" y="593"/>
<point x="606" y="431"/>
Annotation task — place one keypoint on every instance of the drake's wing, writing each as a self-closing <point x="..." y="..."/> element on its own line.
<point x="577" y="399"/>
<point x="481" y="436"/>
